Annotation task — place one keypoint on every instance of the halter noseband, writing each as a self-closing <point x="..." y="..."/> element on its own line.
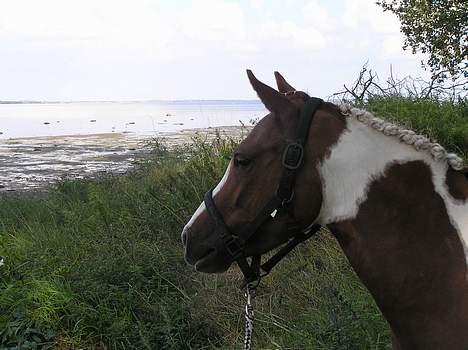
<point x="281" y="203"/>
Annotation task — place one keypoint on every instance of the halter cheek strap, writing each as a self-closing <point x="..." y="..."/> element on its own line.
<point x="281" y="202"/>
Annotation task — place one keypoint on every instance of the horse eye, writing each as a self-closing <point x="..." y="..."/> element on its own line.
<point x="240" y="160"/>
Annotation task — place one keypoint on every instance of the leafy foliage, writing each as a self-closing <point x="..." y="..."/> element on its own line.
<point x="436" y="27"/>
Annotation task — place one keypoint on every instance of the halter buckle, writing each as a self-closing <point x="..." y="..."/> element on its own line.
<point x="234" y="246"/>
<point x="293" y="156"/>
<point x="286" y="201"/>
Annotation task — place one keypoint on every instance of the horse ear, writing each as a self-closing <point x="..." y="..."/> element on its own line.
<point x="282" y="84"/>
<point x="272" y="99"/>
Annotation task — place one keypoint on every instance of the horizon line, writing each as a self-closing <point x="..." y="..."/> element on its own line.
<point x="124" y="101"/>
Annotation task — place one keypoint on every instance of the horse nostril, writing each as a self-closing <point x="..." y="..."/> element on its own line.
<point x="184" y="234"/>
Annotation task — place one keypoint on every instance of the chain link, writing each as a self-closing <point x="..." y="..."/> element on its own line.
<point x="248" y="314"/>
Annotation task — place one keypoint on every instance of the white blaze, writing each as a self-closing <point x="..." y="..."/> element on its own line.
<point x="202" y="206"/>
<point x="220" y="185"/>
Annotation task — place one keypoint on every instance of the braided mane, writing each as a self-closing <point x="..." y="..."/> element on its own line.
<point x="419" y="142"/>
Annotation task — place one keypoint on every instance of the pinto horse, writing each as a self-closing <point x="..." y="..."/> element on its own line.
<point x="395" y="201"/>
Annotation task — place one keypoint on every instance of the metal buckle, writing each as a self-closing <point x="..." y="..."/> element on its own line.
<point x="233" y="246"/>
<point x="286" y="201"/>
<point x="292" y="156"/>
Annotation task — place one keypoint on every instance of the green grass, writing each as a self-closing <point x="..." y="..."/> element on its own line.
<point x="98" y="264"/>
<point x="444" y="121"/>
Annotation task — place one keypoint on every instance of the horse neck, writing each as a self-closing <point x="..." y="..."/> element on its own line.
<point x="388" y="206"/>
<point x="363" y="154"/>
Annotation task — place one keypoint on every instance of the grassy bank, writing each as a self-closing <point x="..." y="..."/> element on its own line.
<point x="99" y="265"/>
<point x="441" y="120"/>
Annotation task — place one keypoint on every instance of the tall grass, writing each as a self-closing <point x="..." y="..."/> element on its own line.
<point x="442" y="120"/>
<point x="99" y="265"/>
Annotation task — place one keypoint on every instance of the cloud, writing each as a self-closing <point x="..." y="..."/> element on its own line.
<point x="97" y="24"/>
<point x="213" y="20"/>
<point x="366" y="25"/>
<point x="107" y="49"/>
<point x="256" y="4"/>
<point x="288" y="34"/>
<point x="365" y="13"/>
<point x="316" y="15"/>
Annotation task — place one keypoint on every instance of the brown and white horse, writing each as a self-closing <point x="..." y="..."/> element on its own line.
<point x="396" y="203"/>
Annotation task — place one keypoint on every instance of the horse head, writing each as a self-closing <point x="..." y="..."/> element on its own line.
<point x="252" y="178"/>
<point x="395" y="201"/>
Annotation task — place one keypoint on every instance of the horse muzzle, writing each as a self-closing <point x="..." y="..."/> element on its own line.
<point x="203" y="257"/>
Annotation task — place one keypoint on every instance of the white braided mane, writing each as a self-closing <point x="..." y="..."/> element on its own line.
<point x="419" y="142"/>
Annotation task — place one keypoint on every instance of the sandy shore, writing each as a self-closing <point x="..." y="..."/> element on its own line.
<point x="35" y="162"/>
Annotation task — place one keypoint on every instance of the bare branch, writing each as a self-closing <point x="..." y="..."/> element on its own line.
<point x="367" y="85"/>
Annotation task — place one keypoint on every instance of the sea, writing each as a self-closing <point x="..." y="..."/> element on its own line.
<point x="43" y="143"/>
<point x="19" y="120"/>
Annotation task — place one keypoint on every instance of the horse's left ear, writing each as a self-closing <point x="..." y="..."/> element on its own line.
<point x="282" y="84"/>
<point x="272" y="99"/>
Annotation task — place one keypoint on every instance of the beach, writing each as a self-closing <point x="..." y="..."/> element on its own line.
<point x="42" y="143"/>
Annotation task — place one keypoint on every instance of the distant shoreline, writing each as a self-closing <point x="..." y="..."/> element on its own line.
<point x="14" y="102"/>
<point x="33" y="163"/>
<point x="58" y="137"/>
<point x="48" y="118"/>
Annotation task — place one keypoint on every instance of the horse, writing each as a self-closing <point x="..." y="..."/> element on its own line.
<point x="395" y="201"/>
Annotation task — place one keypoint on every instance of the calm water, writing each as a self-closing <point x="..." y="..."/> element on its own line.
<point x="41" y="143"/>
<point x="148" y="118"/>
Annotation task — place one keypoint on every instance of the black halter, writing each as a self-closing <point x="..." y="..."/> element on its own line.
<point x="281" y="202"/>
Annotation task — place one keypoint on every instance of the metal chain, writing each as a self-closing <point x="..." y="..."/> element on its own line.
<point x="248" y="314"/>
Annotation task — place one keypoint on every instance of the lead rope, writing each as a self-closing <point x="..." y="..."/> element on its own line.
<point x="248" y="314"/>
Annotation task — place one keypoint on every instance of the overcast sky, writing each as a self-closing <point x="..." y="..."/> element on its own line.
<point x="190" y="49"/>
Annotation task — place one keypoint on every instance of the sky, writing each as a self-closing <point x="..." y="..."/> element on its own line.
<point x="191" y="49"/>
